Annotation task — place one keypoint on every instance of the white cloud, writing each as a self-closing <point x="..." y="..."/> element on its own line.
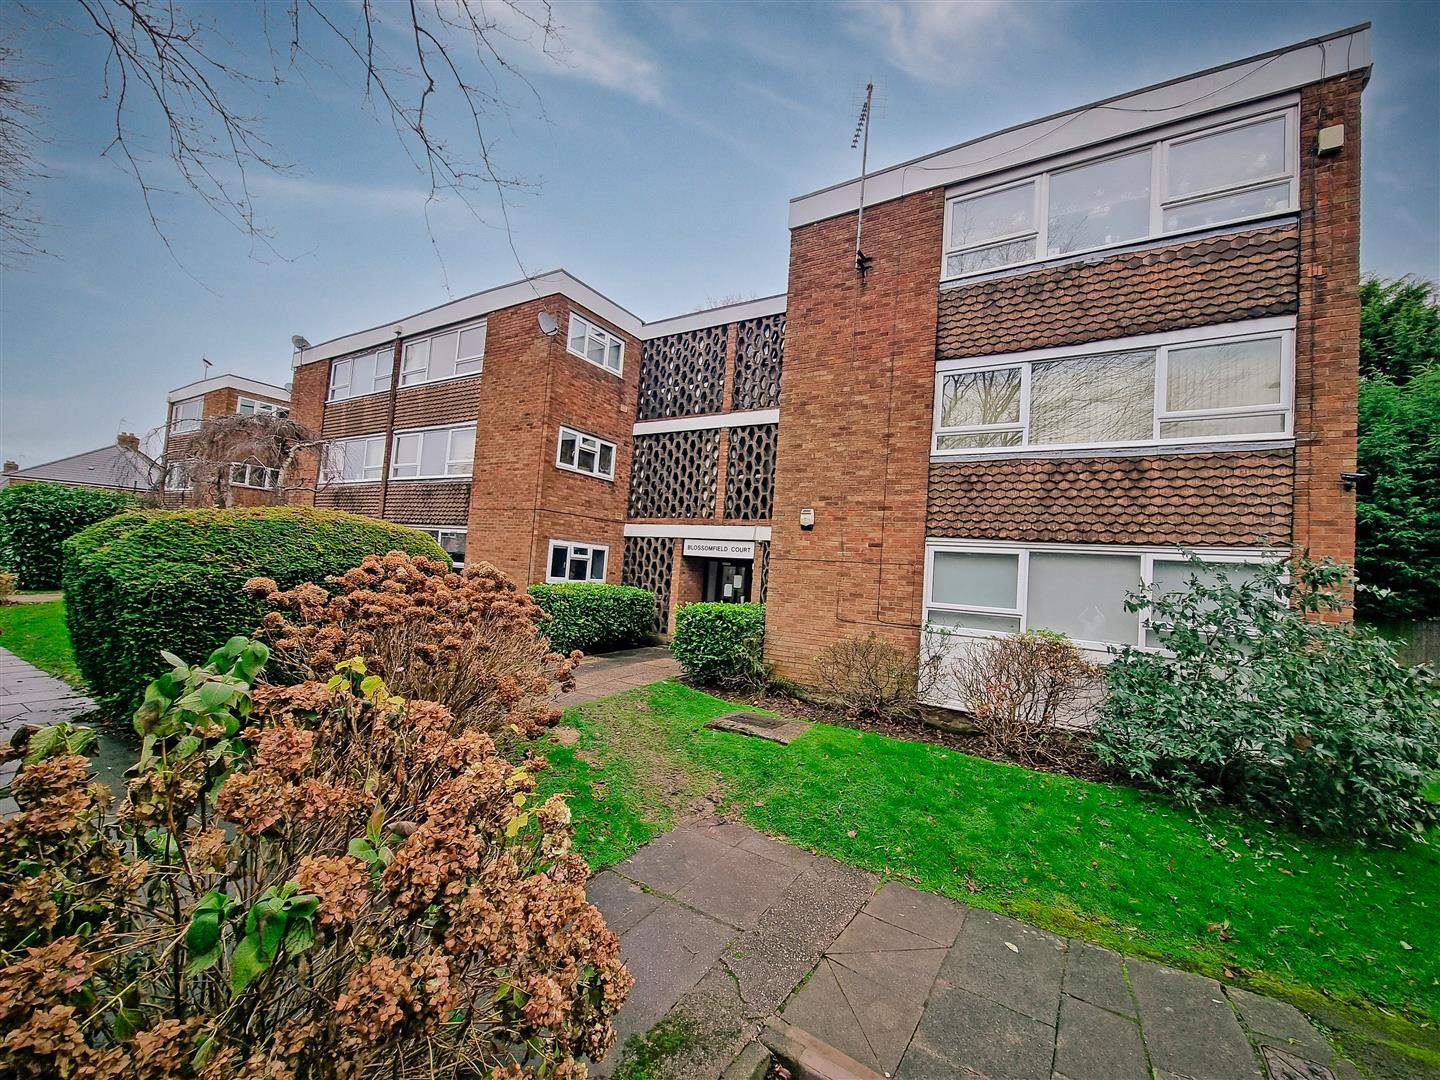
<point x="367" y="198"/>
<point x="945" y="42"/>
<point x="593" y="47"/>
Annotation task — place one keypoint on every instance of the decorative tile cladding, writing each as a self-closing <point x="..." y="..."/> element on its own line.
<point x="649" y="562"/>
<point x="358" y="416"/>
<point x="750" y="473"/>
<point x="420" y="502"/>
<point x="1218" y="279"/>
<point x="1227" y="498"/>
<point x="673" y="474"/>
<point x="456" y="401"/>
<point x="683" y="374"/>
<point x="759" y="357"/>
<point x="360" y="499"/>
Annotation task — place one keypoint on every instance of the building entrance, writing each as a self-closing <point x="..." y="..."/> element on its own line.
<point x="728" y="581"/>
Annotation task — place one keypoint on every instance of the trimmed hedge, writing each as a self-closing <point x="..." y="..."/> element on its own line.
<point x="720" y="643"/>
<point x="159" y="579"/>
<point x="36" y="519"/>
<point x="590" y="616"/>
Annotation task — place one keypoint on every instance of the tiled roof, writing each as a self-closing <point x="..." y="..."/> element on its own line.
<point x="109" y="467"/>
<point x="1219" y="279"/>
<point x="1238" y="497"/>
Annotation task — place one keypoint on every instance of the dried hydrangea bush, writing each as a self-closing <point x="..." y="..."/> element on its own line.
<point x="323" y="880"/>
<point x="470" y="640"/>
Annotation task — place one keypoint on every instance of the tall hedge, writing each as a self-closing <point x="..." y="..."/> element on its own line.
<point x="590" y="616"/>
<point x="35" y="519"/>
<point x="159" y="579"/>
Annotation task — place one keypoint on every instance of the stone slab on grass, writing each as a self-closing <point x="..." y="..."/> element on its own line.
<point x="775" y="729"/>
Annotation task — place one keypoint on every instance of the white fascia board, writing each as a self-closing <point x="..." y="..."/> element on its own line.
<point x="473" y="307"/>
<point x="748" y="418"/>
<point x="227" y="382"/>
<point x="702" y="532"/>
<point x="716" y="316"/>
<point x="1252" y="79"/>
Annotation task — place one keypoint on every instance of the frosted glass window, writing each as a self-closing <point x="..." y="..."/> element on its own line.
<point x="1092" y="399"/>
<point x="1246" y="424"/>
<point x="977" y="398"/>
<point x="975" y="579"/>
<point x="1175" y="576"/>
<point x="1095" y="205"/>
<point x="974" y="620"/>
<point x="1227" y="159"/>
<point x="1223" y="376"/>
<point x="1083" y="596"/>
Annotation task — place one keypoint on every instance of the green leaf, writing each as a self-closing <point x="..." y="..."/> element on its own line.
<point x="299" y="937"/>
<point x="187" y="746"/>
<point x="245" y="964"/>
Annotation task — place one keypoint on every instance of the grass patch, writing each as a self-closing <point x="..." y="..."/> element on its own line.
<point x="1110" y="864"/>
<point x="37" y="633"/>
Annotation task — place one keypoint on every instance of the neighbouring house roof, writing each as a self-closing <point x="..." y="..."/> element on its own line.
<point x="108" y="467"/>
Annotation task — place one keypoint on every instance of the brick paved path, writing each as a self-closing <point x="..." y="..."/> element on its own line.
<point x="733" y="934"/>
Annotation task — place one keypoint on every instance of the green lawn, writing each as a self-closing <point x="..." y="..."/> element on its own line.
<point x="1293" y="915"/>
<point x="36" y="632"/>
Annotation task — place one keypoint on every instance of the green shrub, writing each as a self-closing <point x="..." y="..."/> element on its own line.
<point x="144" y="581"/>
<point x="722" y="644"/>
<point x="1264" y="705"/>
<point x="36" y="519"/>
<point x="590" y="616"/>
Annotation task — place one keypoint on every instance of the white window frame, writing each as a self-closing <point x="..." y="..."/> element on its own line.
<point x="585" y="441"/>
<point x="1280" y="327"/>
<point x="249" y="473"/>
<point x="595" y="332"/>
<point x="436" y="531"/>
<point x="456" y="468"/>
<point x="569" y="546"/>
<point x="328" y="476"/>
<point x="1159" y="203"/>
<point x="187" y="425"/>
<point x="379" y="383"/>
<point x="1148" y="555"/>
<point x="423" y="370"/>
<point x="261" y="408"/>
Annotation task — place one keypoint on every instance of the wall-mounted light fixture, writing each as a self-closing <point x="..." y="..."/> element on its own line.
<point x="1355" y="481"/>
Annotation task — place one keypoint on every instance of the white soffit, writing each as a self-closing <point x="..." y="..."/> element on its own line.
<point x="227" y="382"/>
<point x="1252" y="79"/>
<point x="702" y="532"/>
<point x="746" y="418"/>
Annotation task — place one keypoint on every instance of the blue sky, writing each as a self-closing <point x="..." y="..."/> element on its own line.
<point x="664" y="147"/>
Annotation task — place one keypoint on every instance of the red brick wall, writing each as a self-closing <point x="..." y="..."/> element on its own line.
<point x="1327" y="340"/>
<point x="532" y="385"/>
<point x="308" y="387"/>
<point x="855" y="434"/>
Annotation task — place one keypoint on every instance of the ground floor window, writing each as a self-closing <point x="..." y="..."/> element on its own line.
<point x="248" y="474"/>
<point x="571" y="561"/>
<point x="1076" y="590"/>
<point x="451" y="540"/>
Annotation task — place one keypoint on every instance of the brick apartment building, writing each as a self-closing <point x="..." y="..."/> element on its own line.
<point x="1079" y="346"/>
<point x="251" y="482"/>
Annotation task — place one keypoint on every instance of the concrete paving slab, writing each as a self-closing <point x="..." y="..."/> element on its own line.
<point x="888" y="1022"/>
<point x="622" y="902"/>
<point x="776" y="851"/>
<point x="1284" y="1064"/>
<point x="867" y="934"/>
<point x="919" y="912"/>
<point x="1008" y="962"/>
<point x="738" y="887"/>
<point x="674" y="860"/>
<point x="820" y="1007"/>
<point x="979" y="1034"/>
<point x="724" y="832"/>
<point x="1190" y="1029"/>
<point x="907" y="973"/>
<point x="1095" y="1044"/>
<point x="1097" y="975"/>
<point x="1285" y="1025"/>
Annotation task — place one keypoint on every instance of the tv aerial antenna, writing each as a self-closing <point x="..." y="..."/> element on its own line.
<point x="861" y="138"/>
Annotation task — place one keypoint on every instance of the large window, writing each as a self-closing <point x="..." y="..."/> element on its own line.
<point x="247" y="474"/>
<point x="1240" y="171"/>
<point x="1209" y="384"/>
<point x="252" y="407"/>
<point x="185" y="416"/>
<point x="354" y="461"/>
<point x="451" y="540"/>
<point x="444" y="356"/>
<point x="584" y="453"/>
<point x="433" y="453"/>
<point x="570" y="561"/>
<point x="1077" y="591"/>
<point x="356" y="376"/>
<point x="595" y="344"/>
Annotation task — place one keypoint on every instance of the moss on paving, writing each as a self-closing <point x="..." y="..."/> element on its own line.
<point x="37" y="633"/>
<point x="645" y="1056"/>
<point x="1293" y="915"/>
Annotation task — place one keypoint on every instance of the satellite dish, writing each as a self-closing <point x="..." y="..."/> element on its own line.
<point x="299" y="342"/>
<point x="549" y="325"/>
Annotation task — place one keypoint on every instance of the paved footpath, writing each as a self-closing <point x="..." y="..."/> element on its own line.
<point x="732" y="934"/>
<point x="610" y="673"/>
